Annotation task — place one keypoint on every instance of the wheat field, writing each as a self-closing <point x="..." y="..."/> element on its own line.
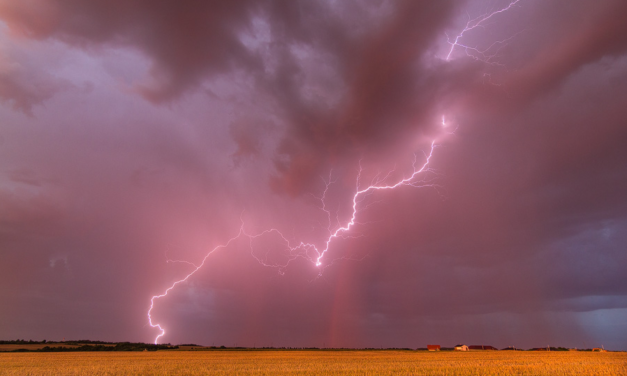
<point x="272" y="362"/>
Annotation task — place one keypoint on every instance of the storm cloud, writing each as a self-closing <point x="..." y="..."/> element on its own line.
<point x="138" y="134"/>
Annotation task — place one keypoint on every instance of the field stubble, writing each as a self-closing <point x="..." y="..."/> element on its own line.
<point x="313" y="363"/>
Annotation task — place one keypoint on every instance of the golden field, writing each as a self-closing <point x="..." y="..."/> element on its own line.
<point x="287" y="362"/>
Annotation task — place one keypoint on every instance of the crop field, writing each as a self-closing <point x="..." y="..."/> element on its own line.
<point x="273" y="362"/>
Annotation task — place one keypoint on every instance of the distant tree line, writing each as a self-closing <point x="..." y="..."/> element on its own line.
<point x="30" y="341"/>
<point x="21" y="342"/>
<point x="119" y="346"/>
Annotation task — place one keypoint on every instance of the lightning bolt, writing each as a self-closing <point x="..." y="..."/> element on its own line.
<point x="310" y="251"/>
<point x="375" y="187"/>
<point x="302" y="249"/>
<point x="197" y="268"/>
<point x="473" y="24"/>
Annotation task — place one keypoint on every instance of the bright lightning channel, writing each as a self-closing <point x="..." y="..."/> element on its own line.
<point x="473" y="24"/>
<point x="302" y="248"/>
<point x="165" y="293"/>
<point x="375" y="187"/>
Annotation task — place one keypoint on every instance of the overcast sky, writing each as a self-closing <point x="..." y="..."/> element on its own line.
<point x="135" y="133"/>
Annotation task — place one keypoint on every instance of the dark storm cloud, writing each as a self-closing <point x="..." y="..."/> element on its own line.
<point x="583" y="40"/>
<point x="393" y="91"/>
<point x="386" y="95"/>
<point x="185" y="41"/>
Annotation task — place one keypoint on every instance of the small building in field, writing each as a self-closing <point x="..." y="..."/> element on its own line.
<point x="481" y="347"/>
<point x="597" y="349"/>
<point x="461" y="348"/>
<point x="433" y="347"/>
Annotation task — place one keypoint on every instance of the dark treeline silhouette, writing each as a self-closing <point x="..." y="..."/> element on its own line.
<point x="86" y="345"/>
<point x="72" y="342"/>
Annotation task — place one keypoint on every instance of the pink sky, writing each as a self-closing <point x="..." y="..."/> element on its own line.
<point x="133" y="132"/>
